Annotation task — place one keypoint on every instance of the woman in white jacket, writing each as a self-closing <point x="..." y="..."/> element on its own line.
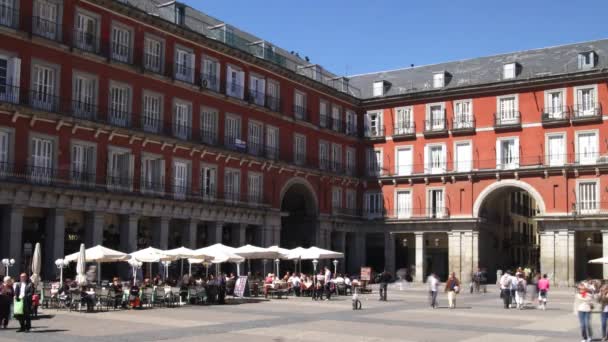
<point x="582" y="308"/>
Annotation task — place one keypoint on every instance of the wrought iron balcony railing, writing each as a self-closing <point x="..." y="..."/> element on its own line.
<point x="555" y="115"/>
<point x="507" y="119"/>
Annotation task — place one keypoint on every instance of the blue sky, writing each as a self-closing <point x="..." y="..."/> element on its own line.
<point x="357" y="36"/>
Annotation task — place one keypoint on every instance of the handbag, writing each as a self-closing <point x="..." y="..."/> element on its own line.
<point x="18" y="307"/>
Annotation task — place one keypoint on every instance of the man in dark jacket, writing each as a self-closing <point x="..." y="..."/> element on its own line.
<point x="24" y="290"/>
<point x="385" y="277"/>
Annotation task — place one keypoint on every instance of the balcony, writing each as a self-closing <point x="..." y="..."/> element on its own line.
<point x="273" y="103"/>
<point x="235" y="90"/>
<point x="555" y="116"/>
<point x="209" y="137"/>
<point x="347" y="212"/>
<point x="375" y="171"/>
<point x="210" y="82"/>
<point x="45" y="28"/>
<point x="184" y="73"/>
<point x="406" y="130"/>
<point x="418" y="213"/>
<point x="299" y="158"/>
<point x="324" y="121"/>
<point x="507" y="120"/>
<point x="435" y="127"/>
<point x="300" y="113"/>
<point x="271" y="153"/>
<point x="121" y="53"/>
<point x="337" y="125"/>
<point x="87" y="42"/>
<point x="324" y="164"/>
<point x="118" y="117"/>
<point x="255" y="149"/>
<point x="181" y="131"/>
<point x="152" y="187"/>
<point x="118" y="183"/>
<point x="375" y="133"/>
<point x="462" y="124"/>
<point x="153" y="63"/>
<point x="257" y="98"/>
<point x="583" y="113"/>
<point x="351" y="129"/>
<point x="151" y="125"/>
<point x="9" y="16"/>
<point x="590" y="208"/>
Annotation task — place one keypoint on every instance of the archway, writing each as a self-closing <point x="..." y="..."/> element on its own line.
<point x="299" y="207"/>
<point x="508" y="232"/>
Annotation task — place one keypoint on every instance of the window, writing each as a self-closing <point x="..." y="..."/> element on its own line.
<point x="435" y="158"/>
<point x="184" y="65"/>
<point x="10" y="78"/>
<point x="121" y="44"/>
<point x="509" y="71"/>
<point x="153" y="54"/>
<point x="555" y="104"/>
<point x="120" y="104"/>
<point x="507" y="110"/>
<point x="435" y="203"/>
<point x="507" y="153"/>
<point x="351" y="199"/>
<point x="463" y="155"/>
<point x="351" y="122"/>
<point x="254" y="187"/>
<point x="373" y="124"/>
<point x="374" y="204"/>
<point x="232" y="185"/>
<point x="336" y="118"/>
<point x="42" y="160"/>
<point x="585" y="101"/>
<point x="182" y="119"/>
<point x="299" y="149"/>
<point x="232" y="131"/>
<point x="272" y="142"/>
<point x="208" y="181"/>
<point x="257" y="90"/>
<point x="336" y="198"/>
<point x="323" y="155"/>
<point x="8" y="13"/>
<point x="586" y="60"/>
<point x="299" y="109"/>
<point x="254" y="137"/>
<point x="82" y="167"/>
<point x="45" y="19"/>
<point x="211" y="74"/>
<point x="209" y="125"/>
<point x="587" y="197"/>
<point x="120" y="169"/>
<point x="439" y="80"/>
<point x="84" y="96"/>
<point x="44" y="94"/>
<point x="405" y="161"/>
<point x="350" y="161"/>
<point x="404" y="204"/>
<point x="587" y="144"/>
<point x="556" y="149"/>
<point x="6" y="146"/>
<point x="86" y="35"/>
<point x="181" y="179"/>
<point x="235" y="82"/>
<point x="463" y="114"/>
<point x="374" y="162"/>
<point x="273" y="101"/>
<point x="152" y="115"/>
<point x="336" y="157"/>
<point x="404" y="120"/>
<point x="378" y="89"/>
<point x="323" y="113"/>
<point x="435" y="117"/>
<point x="152" y="174"/>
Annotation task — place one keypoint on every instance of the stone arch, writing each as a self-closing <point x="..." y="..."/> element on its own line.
<point x="299" y="181"/>
<point x="505" y="184"/>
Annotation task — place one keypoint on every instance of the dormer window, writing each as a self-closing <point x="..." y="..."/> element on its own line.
<point x="378" y="88"/>
<point x="586" y="60"/>
<point x="509" y="71"/>
<point x="439" y="80"/>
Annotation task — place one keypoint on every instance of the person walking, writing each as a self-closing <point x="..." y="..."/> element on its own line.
<point x="6" y="300"/>
<point x="520" y="291"/>
<point x="505" y="289"/>
<point x="513" y="286"/>
<point x="433" y="283"/>
<point x="582" y="308"/>
<point x="24" y="290"/>
<point x="543" y="289"/>
<point x="603" y="301"/>
<point x="452" y="287"/>
<point x="327" y="283"/>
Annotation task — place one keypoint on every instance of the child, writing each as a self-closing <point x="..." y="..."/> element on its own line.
<point x="35" y="304"/>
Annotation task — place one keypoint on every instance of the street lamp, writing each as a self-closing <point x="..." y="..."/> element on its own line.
<point x="404" y="242"/>
<point x="264" y="262"/>
<point x="207" y="264"/>
<point x="166" y="264"/>
<point x="295" y="266"/>
<point x="335" y="262"/>
<point x="314" y="275"/>
<point x="61" y="264"/>
<point x="276" y="263"/>
<point x="8" y="263"/>
<point x="135" y="265"/>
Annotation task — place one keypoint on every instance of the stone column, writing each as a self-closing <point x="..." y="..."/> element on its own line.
<point x="53" y="248"/>
<point x="419" y="245"/>
<point x="605" y="251"/>
<point x="189" y="233"/>
<point x="564" y="258"/>
<point x="547" y="254"/>
<point x="571" y="257"/>
<point x="360" y="250"/>
<point x="215" y="230"/>
<point x="95" y="223"/>
<point x="454" y="253"/>
<point x="467" y="257"/>
<point x="128" y="225"/>
<point x="239" y="232"/>
<point x="12" y="234"/>
<point x="341" y="244"/>
<point x="160" y="232"/>
<point x="389" y="253"/>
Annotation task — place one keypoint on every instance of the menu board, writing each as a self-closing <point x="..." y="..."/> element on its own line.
<point x="241" y="289"/>
<point x="366" y="273"/>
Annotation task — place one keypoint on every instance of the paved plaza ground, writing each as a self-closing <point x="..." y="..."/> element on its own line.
<point x="405" y="317"/>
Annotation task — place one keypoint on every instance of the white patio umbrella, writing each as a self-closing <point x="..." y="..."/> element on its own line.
<point x="320" y="253"/>
<point x="281" y="253"/>
<point x="603" y="260"/>
<point x="250" y="252"/>
<point x="219" y="253"/>
<point x="36" y="264"/>
<point x="185" y="253"/>
<point x="150" y="255"/>
<point x="99" y="254"/>
<point x="81" y="278"/>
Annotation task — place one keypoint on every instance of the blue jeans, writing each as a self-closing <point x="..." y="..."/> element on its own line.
<point x="583" y="319"/>
<point x="604" y="319"/>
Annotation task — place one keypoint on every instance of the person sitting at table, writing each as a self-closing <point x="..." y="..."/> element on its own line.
<point x="268" y="284"/>
<point x="295" y="282"/>
<point x="116" y="291"/>
<point x="134" y="300"/>
<point x="87" y="297"/>
<point x="286" y="277"/>
<point x="348" y="283"/>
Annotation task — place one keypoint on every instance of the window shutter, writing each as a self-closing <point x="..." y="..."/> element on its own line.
<point x="427" y="162"/>
<point x="14" y="74"/>
<point x="229" y="80"/>
<point x="240" y="77"/>
<point x="516" y="153"/>
<point x="498" y="155"/>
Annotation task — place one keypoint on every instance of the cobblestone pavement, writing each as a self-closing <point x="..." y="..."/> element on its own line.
<point x="405" y="317"/>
